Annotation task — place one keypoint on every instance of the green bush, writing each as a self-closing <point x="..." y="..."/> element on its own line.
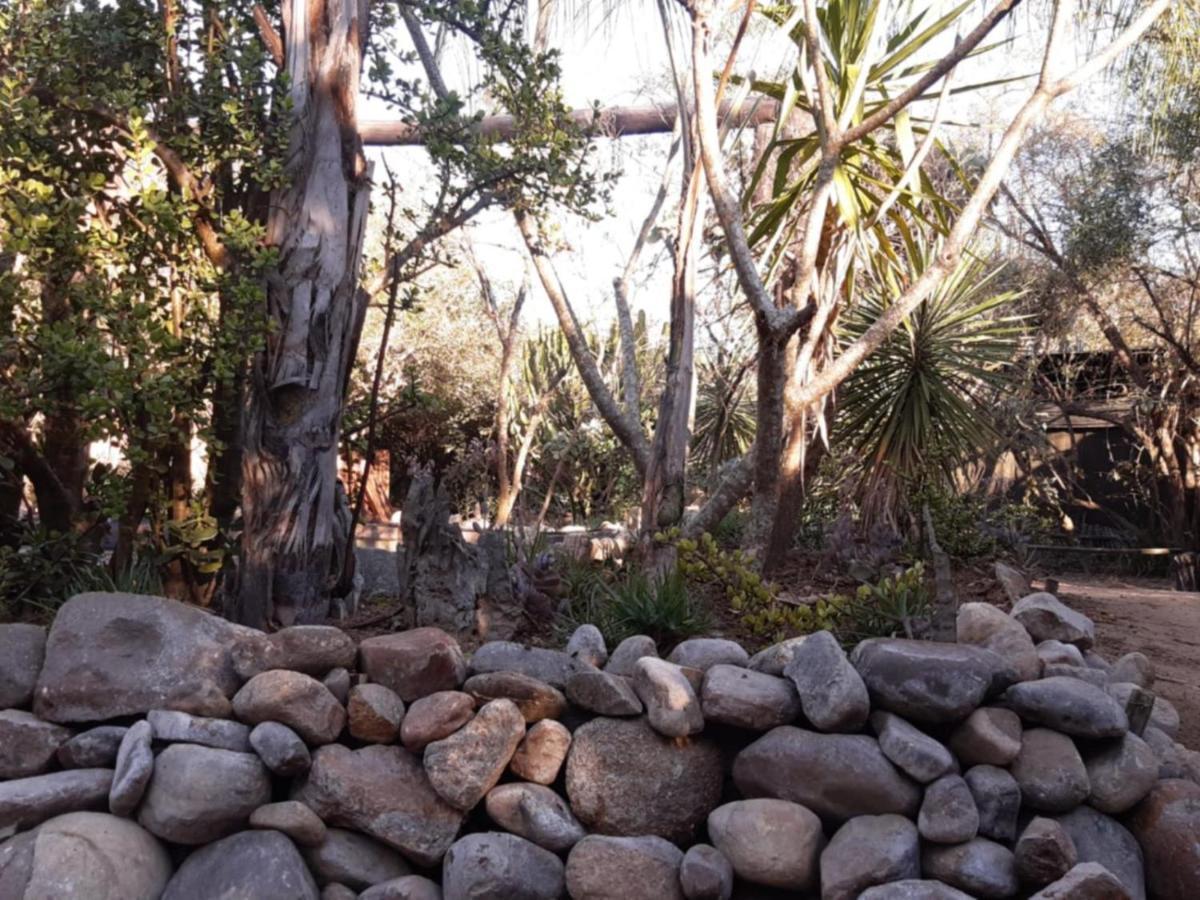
<point x="898" y="605"/>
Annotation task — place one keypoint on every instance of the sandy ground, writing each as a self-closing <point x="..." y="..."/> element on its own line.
<point x="1144" y="614"/>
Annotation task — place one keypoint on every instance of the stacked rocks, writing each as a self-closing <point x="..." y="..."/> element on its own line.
<point x="149" y="750"/>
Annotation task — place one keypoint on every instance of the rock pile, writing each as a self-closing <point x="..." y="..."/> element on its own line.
<point x="148" y="750"/>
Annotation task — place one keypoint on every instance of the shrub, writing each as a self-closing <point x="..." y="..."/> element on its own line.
<point x="897" y="605"/>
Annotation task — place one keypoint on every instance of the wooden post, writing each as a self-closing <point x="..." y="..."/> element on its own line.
<point x="1138" y="709"/>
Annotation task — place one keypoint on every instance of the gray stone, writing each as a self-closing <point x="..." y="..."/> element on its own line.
<point x="1101" y="839"/>
<point x="1174" y="759"/>
<point x="199" y="699"/>
<point x="466" y="765"/>
<point x="772" y="842"/>
<point x="294" y="819"/>
<point x="95" y="748"/>
<point x="293" y="699"/>
<point x="337" y="682"/>
<point x="1120" y="774"/>
<point x="990" y="736"/>
<point x="434" y="717"/>
<point x="609" y="868"/>
<point x="180" y="727"/>
<point x="1047" y="618"/>
<point x="1068" y="705"/>
<point x="1167" y="825"/>
<point x="27" y="744"/>
<point x="22" y="648"/>
<point x="16" y="864"/>
<point x="837" y="776"/>
<point x="496" y="866"/>
<point x="866" y="851"/>
<point x="535" y="699"/>
<point x="199" y="794"/>
<point x="1050" y="771"/>
<point x="1086" y="881"/>
<point x="410" y="887"/>
<point x="1163" y="715"/>
<point x="774" y="659"/>
<point x="705" y="874"/>
<point x="1094" y="660"/>
<point x="704" y="653"/>
<point x="354" y="859"/>
<point x="541" y="754"/>
<point x="374" y="713"/>
<point x="948" y="812"/>
<point x="911" y="750"/>
<point x="249" y="865"/>
<point x="998" y="799"/>
<point x="832" y="694"/>
<point x="628" y="652"/>
<point x="1013" y="581"/>
<point x="414" y="663"/>
<point x="672" y="706"/>
<point x="1133" y="668"/>
<point x="335" y="891"/>
<point x="312" y="649"/>
<point x="624" y="778"/>
<point x="25" y="802"/>
<point x="112" y="655"/>
<point x="986" y="626"/>
<point x="536" y="813"/>
<point x="1094" y="677"/>
<point x="586" y="644"/>
<point x="914" y="889"/>
<point x="281" y="749"/>
<point x="1044" y="852"/>
<point x="604" y="694"/>
<point x="135" y="765"/>
<point x="979" y="867"/>
<point x="734" y="695"/>
<point x="381" y="790"/>
<point x="551" y="666"/>
<point x="926" y="681"/>
<point x="1056" y="653"/>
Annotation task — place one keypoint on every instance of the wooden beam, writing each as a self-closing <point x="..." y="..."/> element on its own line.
<point x="612" y="122"/>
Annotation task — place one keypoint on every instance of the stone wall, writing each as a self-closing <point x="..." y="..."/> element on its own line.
<point x="150" y="750"/>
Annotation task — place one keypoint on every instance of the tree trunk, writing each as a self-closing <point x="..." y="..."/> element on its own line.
<point x="295" y="536"/>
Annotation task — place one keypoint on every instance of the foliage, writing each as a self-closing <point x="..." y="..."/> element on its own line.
<point x="724" y="422"/>
<point x="896" y="605"/>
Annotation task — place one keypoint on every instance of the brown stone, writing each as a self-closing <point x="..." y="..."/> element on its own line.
<point x="1167" y="825"/>
<point x="414" y="663"/>
<point x="542" y="752"/>
<point x="27" y="744"/>
<point x="293" y="699"/>
<point x="466" y="765"/>
<point x="535" y="699"/>
<point x="374" y="713"/>
<point x="434" y="717"/>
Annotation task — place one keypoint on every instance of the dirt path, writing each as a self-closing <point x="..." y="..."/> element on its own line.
<point x="1143" y="614"/>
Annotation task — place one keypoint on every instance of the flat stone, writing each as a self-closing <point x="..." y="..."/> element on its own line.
<point x="414" y="663"/>
<point x="293" y="699"/>
<point x="281" y="749"/>
<point x="410" y="887"/>
<point x="911" y="750"/>
<point x="1057" y="653"/>
<point x="1101" y="839"/>
<point x="1013" y="581"/>
<point x="672" y="706"/>
<point x="705" y="874"/>
<point x="179" y="727"/>
<point x="1133" y="668"/>
<point x="743" y="698"/>
<point x="604" y="694"/>
<point x="605" y="868"/>
<point x="986" y="626"/>
<point x="990" y="736"/>
<point x="866" y="851"/>
<point x="434" y="717"/>
<point x="628" y="652"/>
<point x="1044" y="852"/>
<point x="1086" y="881"/>
<point x="553" y="667"/>
<point x="338" y="682"/>
<point x="535" y="699"/>
<point x="466" y="765"/>
<point x="774" y="659"/>
<point x="294" y="819"/>
<point x="496" y="866"/>
<point x="1068" y="705"/>
<point x="95" y="748"/>
<point x="586" y="644"/>
<point x="16" y="864"/>
<point x="704" y="653"/>
<point x="374" y="713"/>
<point x="832" y="694"/>
<point x="26" y="802"/>
<point x="27" y="744"/>
<point x="312" y="649"/>
<point x="535" y="813"/>
<point x="1120" y="774"/>
<point x="354" y="860"/>
<point x="1167" y="825"/>
<point x="135" y="765"/>
<point x="542" y="752"/>
<point x="1050" y="771"/>
<point x="381" y="790"/>
<point x="22" y="649"/>
<point x="200" y="794"/>
<point x="250" y="865"/>
<point x="771" y="842"/>
<point x="948" y="812"/>
<point x="837" y="776"/>
<point x="1047" y="618"/>
<point x="998" y="799"/>
<point x="1163" y="714"/>
<point x="913" y="889"/>
<point x="669" y="792"/>
<point x="980" y="867"/>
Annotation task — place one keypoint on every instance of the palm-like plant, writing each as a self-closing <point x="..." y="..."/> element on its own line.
<point x="724" y="422"/>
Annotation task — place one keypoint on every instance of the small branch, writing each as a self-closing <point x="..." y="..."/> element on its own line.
<point x="267" y="34"/>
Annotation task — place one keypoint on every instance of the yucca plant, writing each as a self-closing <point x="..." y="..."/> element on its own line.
<point x="724" y="421"/>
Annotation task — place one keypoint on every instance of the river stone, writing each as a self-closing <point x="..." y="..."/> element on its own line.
<point x="926" y="681"/>
<point x="1068" y="705"/>
<point x="1047" y="618"/>
<point x="948" y="812"/>
<point x="381" y="790"/>
<point x="1013" y="581"/>
<point x="1174" y="759"/>
<point x="199" y="699"/>
<point x="1120" y="774"/>
<point x="312" y="649"/>
<point x="199" y="794"/>
<point x="1044" y="852"/>
<point x="866" y="851"/>
<point x="553" y="667"/>
<point x="353" y="859"/>
<point x="911" y="750"/>
<point x="1101" y="839"/>
<point x="434" y="717"/>
<point x="837" y="776"/>
<point x="414" y="663"/>
<point x="27" y="744"/>
<point x="536" y="813"/>
<point x="16" y="864"/>
<point x="1086" y="881"/>
<point x="410" y="887"/>
<point x="1094" y="677"/>
<point x="913" y="889"/>
<point x="466" y="765"/>
<point x="335" y="891"/>
<point x="497" y="866"/>
<point x="95" y="748"/>
<point x="281" y="749"/>
<point x="25" y="802"/>
<point x="135" y="765"/>
<point x="1133" y="668"/>
<point x="770" y="842"/>
<point x="249" y="865"/>
<point x="22" y="649"/>
<point x="671" y="704"/>
<point x="832" y="694"/>
<point x="774" y="659"/>
<point x="1167" y="825"/>
<point x="704" y="653"/>
<point x="998" y="800"/>
<point x="990" y="736"/>
<point x="986" y="626"/>
<point x="1050" y="771"/>
<point x="535" y="699"/>
<point x="586" y="644"/>
<point x="668" y="792"/>
<point x="604" y="694"/>
<point x="338" y="682"/>
<point x="622" y="660"/>
<point x="294" y="819"/>
<point x="179" y="727"/>
<point x="374" y="713"/>
<point x="980" y="867"/>
<point x="1163" y="715"/>
<point x="1056" y="653"/>
<point x="293" y="699"/>
<point x="619" y="868"/>
<point x="705" y="874"/>
<point x="734" y="695"/>
<point x="113" y="655"/>
<point x="542" y="752"/>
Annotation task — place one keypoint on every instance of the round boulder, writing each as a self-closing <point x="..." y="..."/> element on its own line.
<point x="250" y="865"/>
<point x="771" y="842"/>
<point x="496" y="866"/>
<point x="866" y="851"/>
<point x="611" y="868"/>
<point x="1167" y="825"/>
